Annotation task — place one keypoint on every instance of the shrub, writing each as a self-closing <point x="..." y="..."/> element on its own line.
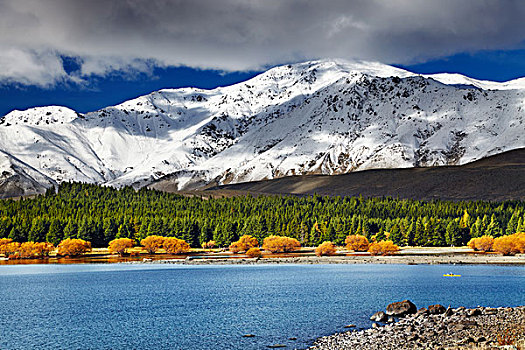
<point x="174" y="245"/>
<point x="243" y="244"/>
<point x="520" y="241"/>
<point x="510" y="245"/>
<point x="42" y="249"/>
<point x="483" y="244"/>
<point x="120" y="245"/>
<point x="357" y="243"/>
<point x="209" y="245"/>
<point x="32" y="249"/>
<point x="254" y="253"/>
<point x="73" y="247"/>
<point x="383" y="248"/>
<point x="26" y="250"/>
<point x="4" y="245"/>
<point x="152" y="243"/>
<point x="325" y="248"/>
<point x="279" y="244"/>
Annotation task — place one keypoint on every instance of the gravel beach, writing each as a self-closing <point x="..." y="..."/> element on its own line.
<point x="430" y="259"/>
<point x="458" y="328"/>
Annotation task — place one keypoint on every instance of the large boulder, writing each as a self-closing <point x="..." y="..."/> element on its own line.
<point x="401" y="308"/>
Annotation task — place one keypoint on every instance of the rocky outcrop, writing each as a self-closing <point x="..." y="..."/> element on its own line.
<point x="401" y="308"/>
<point x="463" y="328"/>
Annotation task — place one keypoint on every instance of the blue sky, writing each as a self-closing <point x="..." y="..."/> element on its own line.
<point x="91" y="54"/>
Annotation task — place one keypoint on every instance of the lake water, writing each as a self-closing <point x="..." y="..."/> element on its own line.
<point x="116" y="306"/>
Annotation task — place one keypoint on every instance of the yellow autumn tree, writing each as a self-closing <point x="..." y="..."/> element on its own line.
<point x="153" y="243"/>
<point x="510" y="245"/>
<point x="35" y="249"/>
<point x="254" y="253"/>
<point x="325" y="248"/>
<point x="174" y="245"/>
<point x="73" y="247"/>
<point x="243" y="244"/>
<point x="383" y="248"/>
<point x="357" y="243"/>
<point x="120" y="245"/>
<point x="482" y="244"/>
<point x="279" y="244"/>
<point x="4" y="242"/>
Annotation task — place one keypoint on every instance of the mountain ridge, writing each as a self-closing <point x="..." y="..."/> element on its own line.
<point x="495" y="178"/>
<point x="318" y="117"/>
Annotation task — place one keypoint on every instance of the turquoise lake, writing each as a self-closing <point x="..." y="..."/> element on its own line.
<point x="117" y="306"/>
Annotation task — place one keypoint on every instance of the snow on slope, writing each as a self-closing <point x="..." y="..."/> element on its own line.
<point x="327" y="117"/>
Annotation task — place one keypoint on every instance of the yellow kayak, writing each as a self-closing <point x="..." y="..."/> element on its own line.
<point x="451" y="275"/>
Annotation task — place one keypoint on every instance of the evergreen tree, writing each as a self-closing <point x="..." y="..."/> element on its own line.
<point x="56" y="232"/>
<point x="453" y="233"/>
<point x="70" y="230"/>
<point x="110" y="229"/>
<point x="38" y="230"/>
<point x="493" y="228"/>
<point x="396" y="235"/>
<point x="5" y="227"/>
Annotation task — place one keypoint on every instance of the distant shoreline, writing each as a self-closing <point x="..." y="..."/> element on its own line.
<point x="305" y="256"/>
<point x="395" y="259"/>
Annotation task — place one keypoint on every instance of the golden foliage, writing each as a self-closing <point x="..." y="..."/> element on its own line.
<point x="483" y="244"/>
<point x="279" y="244"/>
<point x="174" y="245"/>
<point x="520" y="241"/>
<point x="42" y="249"/>
<point x="243" y="244"/>
<point x="325" y="248"/>
<point x="73" y="247"/>
<point x="510" y="245"/>
<point x="357" y="243"/>
<point x="254" y="253"/>
<point x="32" y="249"/>
<point x="120" y="245"/>
<point x="152" y="243"/>
<point x="209" y="245"/>
<point x="383" y="248"/>
<point x="4" y="246"/>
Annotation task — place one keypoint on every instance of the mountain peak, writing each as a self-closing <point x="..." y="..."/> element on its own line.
<point x="47" y="115"/>
<point x="316" y="117"/>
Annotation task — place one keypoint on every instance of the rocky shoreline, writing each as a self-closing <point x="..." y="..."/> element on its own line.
<point x="435" y="327"/>
<point x="459" y="259"/>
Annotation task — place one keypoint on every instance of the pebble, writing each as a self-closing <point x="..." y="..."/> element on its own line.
<point x="458" y="327"/>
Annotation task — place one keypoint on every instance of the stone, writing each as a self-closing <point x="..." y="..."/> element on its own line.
<point x="375" y="325"/>
<point x="422" y="311"/>
<point x="390" y="319"/>
<point x="248" y="335"/>
<point x="379" y="316"/>
<point x="292" y="338"/>
<point x="449" y="312"/>
<point x="473" y="312"/>
<point x="490" y="311"/>
<point x="401" y="308"/>
<point x="436" y="309"/>
<point x="276" y="346"/>
<point x="350" y="326"/>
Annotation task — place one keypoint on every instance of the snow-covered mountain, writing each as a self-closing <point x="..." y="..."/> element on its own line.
<point x="326" y="117"/>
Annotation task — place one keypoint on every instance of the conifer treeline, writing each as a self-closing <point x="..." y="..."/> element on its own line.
<point x="100" y="214"/>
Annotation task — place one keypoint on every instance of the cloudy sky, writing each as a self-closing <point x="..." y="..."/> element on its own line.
<point x="90" y="53"/>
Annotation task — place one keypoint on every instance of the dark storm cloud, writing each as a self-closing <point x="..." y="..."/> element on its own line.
<point x="136" y="35"/>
